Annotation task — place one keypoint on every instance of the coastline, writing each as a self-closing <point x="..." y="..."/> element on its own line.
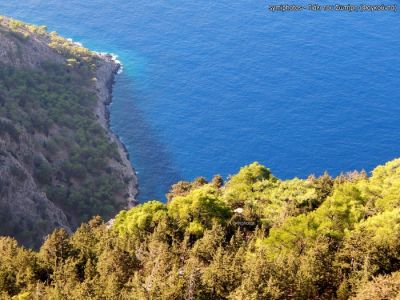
<point x="106" y="71"/>
<point x="34" y="203"/>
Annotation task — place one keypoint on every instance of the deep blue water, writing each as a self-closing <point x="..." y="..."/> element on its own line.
<point x="209" y="86"/>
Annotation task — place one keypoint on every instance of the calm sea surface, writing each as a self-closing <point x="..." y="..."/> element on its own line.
<point x="209" y="86"/>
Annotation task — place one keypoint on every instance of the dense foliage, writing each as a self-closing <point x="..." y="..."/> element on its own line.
<point x="48" y="112"/>
<point x="253" y="237"/>
<point x="54" y="103"/>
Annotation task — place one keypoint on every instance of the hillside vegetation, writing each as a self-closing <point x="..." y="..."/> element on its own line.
<point x="58" y="163"/>
<point x="253" y="237"/>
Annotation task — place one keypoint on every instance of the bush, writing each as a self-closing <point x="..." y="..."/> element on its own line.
<point x="43" y="172"/>
<point x="18" y="173"/>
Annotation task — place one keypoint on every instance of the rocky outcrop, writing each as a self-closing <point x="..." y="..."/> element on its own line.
<point x="22" y="52"/>
<point x="26" y="212"/>
<point x="105" y="74"/>
<point x="22" y="203"/>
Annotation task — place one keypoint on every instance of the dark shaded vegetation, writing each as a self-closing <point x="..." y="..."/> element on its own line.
<point x="57" y="105"/>
<point x="254" y="237"/>
<point x="53" y="108"/>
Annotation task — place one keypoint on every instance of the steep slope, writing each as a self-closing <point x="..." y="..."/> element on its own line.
<point x="59" y="163"/>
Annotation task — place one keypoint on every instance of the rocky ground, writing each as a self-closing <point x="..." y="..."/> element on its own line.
<point x="25" y="210"/>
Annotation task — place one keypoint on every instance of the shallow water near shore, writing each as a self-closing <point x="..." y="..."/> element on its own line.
<point x="209" y="86"/>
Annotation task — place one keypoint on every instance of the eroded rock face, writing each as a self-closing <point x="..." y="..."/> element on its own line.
<point x="21" y="52"/>
<point x="26" y="212"/>
<point x="105" y="80"/>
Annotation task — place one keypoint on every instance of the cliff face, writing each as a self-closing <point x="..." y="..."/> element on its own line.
<point x="105" y="74"/>
<point x="59" y="162"/>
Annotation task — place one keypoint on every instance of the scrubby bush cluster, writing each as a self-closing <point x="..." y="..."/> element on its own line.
<point x="74" y="52"/>
<point x="253" y="237"/>
<point x="49" y="110"/>
<point x="56" y="104"/>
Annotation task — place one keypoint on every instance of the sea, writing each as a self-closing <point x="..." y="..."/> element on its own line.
<point x="210" y="86"/>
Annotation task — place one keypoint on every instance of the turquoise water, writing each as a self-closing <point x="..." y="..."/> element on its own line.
<point x="209" y="86"/>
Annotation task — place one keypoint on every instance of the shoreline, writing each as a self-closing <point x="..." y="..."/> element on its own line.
<point x="106" y="72"/>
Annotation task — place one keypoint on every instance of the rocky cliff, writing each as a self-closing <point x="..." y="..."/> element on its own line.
<point x="59" y="162"/>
